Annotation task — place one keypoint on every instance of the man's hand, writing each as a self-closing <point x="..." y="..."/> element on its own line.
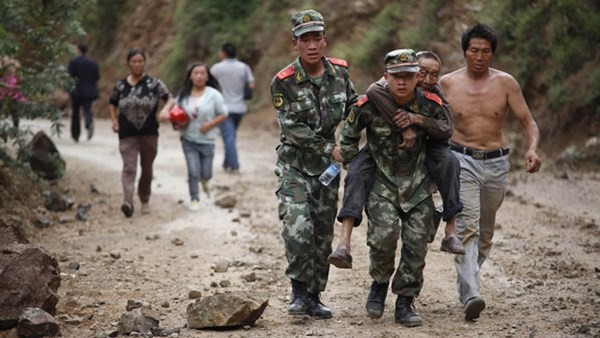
<point x="532" y="161"/>
<point x="409" y="138"/>
<point x="403" y="119"/>
<point x="115" y="126"/>
<point x="336" y="153"/>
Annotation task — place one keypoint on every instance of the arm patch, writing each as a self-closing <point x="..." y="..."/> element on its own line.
<point x="338" y="62"/>
<point x="364" y="99"/>
<point x="433" y="97"/>
<point x="286" y="72"/>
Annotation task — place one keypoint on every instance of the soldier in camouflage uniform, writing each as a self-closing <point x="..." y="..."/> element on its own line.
<point x="311" y="95"/>
<point x="402" y="189"/>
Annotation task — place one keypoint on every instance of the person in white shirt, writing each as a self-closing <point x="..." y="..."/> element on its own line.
<point x="233" y="76"/>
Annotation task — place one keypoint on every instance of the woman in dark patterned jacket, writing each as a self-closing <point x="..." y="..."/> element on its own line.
<point x="136" y="99"/>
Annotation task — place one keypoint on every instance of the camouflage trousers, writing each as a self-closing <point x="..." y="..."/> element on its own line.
<point x="382" y="237"/>
<point x="307" y="209"/>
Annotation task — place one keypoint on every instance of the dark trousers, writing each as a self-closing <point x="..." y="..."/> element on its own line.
<point x="77" y="103"/>
<point x="360" y="177"/>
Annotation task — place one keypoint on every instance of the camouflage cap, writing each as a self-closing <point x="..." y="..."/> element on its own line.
<point x="307" y="21"/>
<point x="401" y="60"/>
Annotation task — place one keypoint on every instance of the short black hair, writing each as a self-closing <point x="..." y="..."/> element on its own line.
<point x="229" y="49"/>
<point x="82" y="47"/>
<point x="135" y="51"/>
<point x="479" y="31"/>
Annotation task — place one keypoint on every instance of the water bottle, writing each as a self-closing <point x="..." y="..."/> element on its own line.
<point x="329" y="174"/>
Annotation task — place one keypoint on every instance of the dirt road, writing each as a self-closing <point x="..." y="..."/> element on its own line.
<point x="542" y="279"/>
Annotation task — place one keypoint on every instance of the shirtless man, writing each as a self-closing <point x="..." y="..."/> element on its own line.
<point x="480" y="98"/>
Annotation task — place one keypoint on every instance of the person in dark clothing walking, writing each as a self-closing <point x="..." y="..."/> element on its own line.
<point x="85" y="72"/>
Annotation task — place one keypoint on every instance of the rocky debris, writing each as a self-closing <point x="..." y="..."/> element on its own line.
<point x="177" y="241"/>
<point x="225" y="310"/>
<point x="29" y="277"/>
<point x="221" y="266"/>
<point x="164" y="332"/>
<point x="256" y="250"/>
<point x="133" y="304"/>
<point x="194" y="292"/>
<point x="44" y="158"/>
<point x="54" y="201"/>
<point x="82" y="211"/>
<point x="11" y="233"/>
<point x="42" y="222"/>
<point x="152" y="237"/>
<point x="250" y="277"/>
<point x="226" y="201"/>
<point x="35" y="322"/>
<point x="115" y="254"/>
<point x="225" y="283"/>
<point x="142" y="319"/>
<point x="94" y="189"/>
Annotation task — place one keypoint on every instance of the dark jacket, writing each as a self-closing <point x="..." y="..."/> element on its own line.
<point x="86" y="74"/>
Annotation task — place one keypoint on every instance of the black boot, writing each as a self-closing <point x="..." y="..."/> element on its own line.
<point x="376" y="299"/>
<point x="405" y="312"/>
<point x="316" y="308"/>
<point x="300" y="301"/>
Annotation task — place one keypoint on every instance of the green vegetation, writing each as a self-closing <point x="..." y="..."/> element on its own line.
<point x="554" y="40"/>
<point x="37" y="34"/>
<point x="102" y="21"/>
<point x="202" y="27"/>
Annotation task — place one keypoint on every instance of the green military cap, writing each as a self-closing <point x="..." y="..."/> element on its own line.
<point x="307" y="21"/>
<point x="401" y="60"/>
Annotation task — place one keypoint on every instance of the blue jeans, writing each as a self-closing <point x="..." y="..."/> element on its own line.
<point x="229" y="132"/>
<point x="199" y="159"/>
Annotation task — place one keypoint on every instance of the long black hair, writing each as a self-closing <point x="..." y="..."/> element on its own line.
<point x="187" y="86"/>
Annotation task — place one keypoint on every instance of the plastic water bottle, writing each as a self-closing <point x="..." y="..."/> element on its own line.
<point x="329" y="174"/>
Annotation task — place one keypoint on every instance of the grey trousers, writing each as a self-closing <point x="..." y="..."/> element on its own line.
<point x="483" y="184"/>
<point x="130" y="148"/>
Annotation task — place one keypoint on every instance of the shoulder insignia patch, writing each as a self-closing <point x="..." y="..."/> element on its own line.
<point x="286" y="72"/>
<point x="364" y="99"/>
<point x="338" y="62"/>
<point x="433" y="97"/>
<point x="351" y="118"/>
<point x="277" y="100"/>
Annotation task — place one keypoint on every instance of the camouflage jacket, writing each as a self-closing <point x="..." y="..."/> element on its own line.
<point x="438" y="129"/>
<point x="402" y="176"/>
<point x="309" y="112"/>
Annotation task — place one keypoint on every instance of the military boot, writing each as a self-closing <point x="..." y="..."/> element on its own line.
<point x="316" y="308"/>
<point x="405" y="312"/>
<point x="376" y="299"/>
<point x="300" y="300"/>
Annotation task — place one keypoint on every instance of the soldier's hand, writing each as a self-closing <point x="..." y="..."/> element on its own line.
<point x="402" y="119"/>
<point x="532" y="161"/>
<point x="409" y="139"/>
<point x="337" y="153"/>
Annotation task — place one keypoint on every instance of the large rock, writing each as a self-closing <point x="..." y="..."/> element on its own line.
<point x="44" y="158"/>
<point x="225" y="310"/>
<point x="142" y="319"/>
<point x="29" y="277"/>
<point x="37" y="323"/>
